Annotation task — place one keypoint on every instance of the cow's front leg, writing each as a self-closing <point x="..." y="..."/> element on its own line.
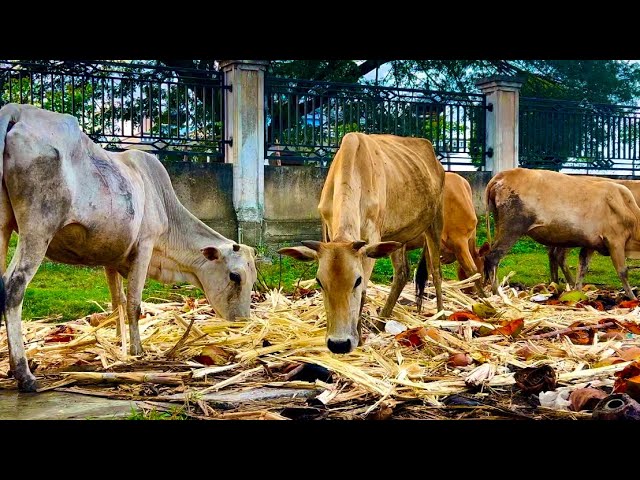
<point x="29" y="255"/>
<point x="117" y="292"/>
<point x="135" y="285"/>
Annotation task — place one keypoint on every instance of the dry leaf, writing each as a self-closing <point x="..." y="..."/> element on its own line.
<point x="581" y="337"/>
<point x="629" y="303"/>
<point x="463" y="316"/>
<point x="213" y="355"/>
<point x="630" y="354"/>
<point x="61" y="334"/>
<point x="630" y="371"/>
<point x="510" y="329"/>
<point x="585" y="398"/>
<point x="536" y="379"/>
<point x="413" y="337"/>
<point x="483" y="310"/>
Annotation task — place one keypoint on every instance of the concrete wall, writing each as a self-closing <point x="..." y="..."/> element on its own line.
<point x="291" y="198"/>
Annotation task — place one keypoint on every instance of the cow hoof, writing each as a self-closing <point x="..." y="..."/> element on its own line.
<point x="135" y="350"/>
<point x="28" y="385"/>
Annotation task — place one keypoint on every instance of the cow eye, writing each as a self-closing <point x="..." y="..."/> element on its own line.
<point x="358" y="282"/>
<point x="320" y="284"/>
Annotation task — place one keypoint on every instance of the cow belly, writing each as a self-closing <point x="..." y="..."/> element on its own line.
<point x="558" y="235"/>
<point x="77" y="245"/>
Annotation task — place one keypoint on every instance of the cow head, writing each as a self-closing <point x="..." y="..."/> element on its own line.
<point x="227" y="276"/>
<point x="344" y="269"/>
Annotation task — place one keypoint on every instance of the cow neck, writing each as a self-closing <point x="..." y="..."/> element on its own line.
<point x="177" y="257"/>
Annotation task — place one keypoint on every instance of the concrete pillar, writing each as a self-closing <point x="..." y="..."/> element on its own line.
<point x="503" y="99"/>
<point x="244" y="126"/>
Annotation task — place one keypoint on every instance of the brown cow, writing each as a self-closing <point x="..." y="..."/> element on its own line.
<point x="558" y="255"/>
<point x="590" y="213"/>
<point x="459" y="230"/>
<point x="76" y="203"/>
<point x="381" y="192"/>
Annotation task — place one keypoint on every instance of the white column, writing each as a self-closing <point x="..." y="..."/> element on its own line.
<point x="244" y="126"/>
<point x="503" y="96"/>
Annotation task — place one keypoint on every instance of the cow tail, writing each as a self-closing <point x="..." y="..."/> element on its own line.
<point x="422" y="275"/>
<point x="489" y="208"/>
<point x="8" y="114"/>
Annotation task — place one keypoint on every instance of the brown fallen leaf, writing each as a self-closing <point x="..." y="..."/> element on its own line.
<point x="630" y="371"/>
<point x="633" y="327"/>
<point x="585" y="398"/>
<point x="61" y="334"/>
<point x="525" y="353"/>
<point x="629" y="303"/>
<point x="414" y="337"/>
<point x="510" y="328"/>
<point x="630" y="354"/>
<point x="536" y="379"/>
<point x="581" y="337"/>
<point x="463" y="316"/>
<point x="433" y="333"/>
<point x="608" y="362"/>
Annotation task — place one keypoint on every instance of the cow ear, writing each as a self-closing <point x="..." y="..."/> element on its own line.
<point x="381" y="249"/>
<point x="484" y="249"/>
<point x="304" y="254"/>
<point x="210" y="253"/>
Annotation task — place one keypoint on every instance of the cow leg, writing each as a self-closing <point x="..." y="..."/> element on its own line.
<point x="583" y="265"/>
<point x="135" y="285"/>
<point x="463" y="255"/>
<point x="504" y="241"/>
<point x="561" y="255"/>
<point x="552" y="252"/>
<point x="400" y="277"/>
<point x="28" y="256"/>
<point x="619" y="263"/>
<point x="117" y="292"/>
<point x="433" y="235"/>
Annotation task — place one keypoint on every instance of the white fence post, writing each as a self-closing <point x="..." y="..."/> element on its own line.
<point x="503" y="100"/>
<point x="244" y="126"/>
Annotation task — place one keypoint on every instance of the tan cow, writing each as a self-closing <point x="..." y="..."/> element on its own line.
<point x="564" y="211"/>
<point x="76" y="203"/>
<point x="459" y="230"/>
<point x="558" y="255"/>
<point x="381" y="192"/>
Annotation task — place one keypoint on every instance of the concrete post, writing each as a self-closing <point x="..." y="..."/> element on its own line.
<point x="503" y="94"/>
<point x="244" y="126"/>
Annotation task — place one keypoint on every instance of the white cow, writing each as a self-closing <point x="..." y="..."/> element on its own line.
<point x="76" y="203"/>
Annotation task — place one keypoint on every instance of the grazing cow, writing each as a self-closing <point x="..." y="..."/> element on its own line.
<point x="381" y="192"/>
<point x="595" y="215"/>
<point x="76" y="203"/>
<point x="459" y="231"/>
<point x="558" y="255"/>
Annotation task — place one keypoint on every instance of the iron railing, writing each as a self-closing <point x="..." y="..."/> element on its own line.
<point x="579" y="137"/>
<point x="305" y="120"/>
<point x="175" y="113"/>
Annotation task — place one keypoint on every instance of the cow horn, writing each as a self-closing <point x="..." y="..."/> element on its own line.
<point x="236" y="247"/>
<point x="312" y="244"/>
<point x="358" y="245"/>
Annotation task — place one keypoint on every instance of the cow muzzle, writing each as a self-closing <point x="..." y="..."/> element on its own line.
<point x="341" y="345"/>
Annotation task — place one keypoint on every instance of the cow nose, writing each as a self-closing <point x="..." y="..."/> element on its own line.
<point x="235" y="277"/>
<point x="339" y="346"/>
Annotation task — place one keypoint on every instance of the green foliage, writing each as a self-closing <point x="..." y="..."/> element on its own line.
<point x="176" y="413"/>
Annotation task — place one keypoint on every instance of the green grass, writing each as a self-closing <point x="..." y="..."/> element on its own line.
<point x="70" y="292"/>
<point x="175" y="414"/>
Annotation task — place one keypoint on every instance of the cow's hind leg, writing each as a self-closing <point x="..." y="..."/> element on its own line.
<point x="552" y="253"/>
<point x="619" y="263"/>
<point x="117" y="292"/>
<point x="504" y="241"/>
<point x="561" y="255"/>
<point x="400" y="277"/>
<point x="7" y="226"/>
<point x="29" y="254"/>
<point x="583" y="265"/>
<point x="135" y="285"/>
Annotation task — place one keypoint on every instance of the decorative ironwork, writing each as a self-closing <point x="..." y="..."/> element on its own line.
<point x="172" y="112"/>
<point x="579" y="137"/>
<point x="305" y="120"/>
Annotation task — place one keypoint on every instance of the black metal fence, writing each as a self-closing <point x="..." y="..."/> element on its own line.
<point x="579" y="137"/>
<point x="175" y="113"/>
<point x="305" y="120"/>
